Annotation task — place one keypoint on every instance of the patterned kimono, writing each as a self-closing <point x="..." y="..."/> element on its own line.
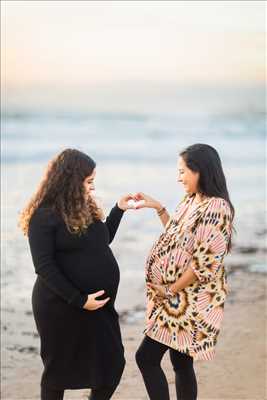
<point x="190" y="321"/>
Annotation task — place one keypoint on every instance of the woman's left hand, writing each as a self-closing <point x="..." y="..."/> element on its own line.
<point x="123" y="202"/>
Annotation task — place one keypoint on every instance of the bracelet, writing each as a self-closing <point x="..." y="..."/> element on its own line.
<point x="161" y="211"/>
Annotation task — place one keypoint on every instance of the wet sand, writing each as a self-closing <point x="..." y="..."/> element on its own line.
<point x="238" y="371"/>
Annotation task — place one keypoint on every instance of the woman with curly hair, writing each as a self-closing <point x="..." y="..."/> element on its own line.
<point x="77" y="280"/>
<point x="185" y="275"/>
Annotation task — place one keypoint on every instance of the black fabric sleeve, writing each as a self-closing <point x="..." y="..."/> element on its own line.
<point x="42" y="245"/>
<point x="113" y="221"/>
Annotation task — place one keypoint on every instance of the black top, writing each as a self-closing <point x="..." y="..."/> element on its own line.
<point x="79" y="348"/>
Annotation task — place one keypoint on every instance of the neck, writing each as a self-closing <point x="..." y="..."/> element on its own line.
<point x="199" y="198"/>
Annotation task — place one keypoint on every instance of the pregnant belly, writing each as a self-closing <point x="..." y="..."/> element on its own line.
<point x="90" y="275"/>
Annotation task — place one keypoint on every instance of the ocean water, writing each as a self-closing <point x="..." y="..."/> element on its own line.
<point x="134" y="152"/>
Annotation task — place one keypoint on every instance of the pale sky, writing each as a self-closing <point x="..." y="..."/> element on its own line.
<point x="69" y="43"/>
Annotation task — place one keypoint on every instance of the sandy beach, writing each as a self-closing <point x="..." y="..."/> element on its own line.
<point x="237" y="373"/>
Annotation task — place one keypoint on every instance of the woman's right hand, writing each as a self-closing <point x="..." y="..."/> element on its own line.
<point x="149" y="202"/>
<point x="93" y="304"/>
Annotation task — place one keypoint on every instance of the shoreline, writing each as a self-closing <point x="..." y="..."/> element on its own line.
<point x="237" y="373"/>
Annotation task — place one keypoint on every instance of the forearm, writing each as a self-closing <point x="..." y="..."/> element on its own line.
<point x="164" y="218"/>
<point x="162" y="213"/>
<point x="63" y="288"/>
<point x="113" y="221"/>
<point x="187" y="278"/>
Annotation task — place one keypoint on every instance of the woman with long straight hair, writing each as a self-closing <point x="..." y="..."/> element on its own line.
<point x="185" y="276"/>
<point x="77" y="280"/>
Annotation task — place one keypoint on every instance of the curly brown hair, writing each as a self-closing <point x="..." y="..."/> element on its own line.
<point x="62" y="190"/>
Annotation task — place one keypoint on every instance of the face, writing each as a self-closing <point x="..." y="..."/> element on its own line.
<point x="88" y="183"/>
<point x="187" y="177"/>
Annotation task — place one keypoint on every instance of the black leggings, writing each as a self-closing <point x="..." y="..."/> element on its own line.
<point x="104" y="393"/>
<point x="148" y="358"/>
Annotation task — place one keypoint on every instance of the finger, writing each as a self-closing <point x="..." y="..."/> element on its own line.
<point x="102" y="303"/>
<point x="128" y="197"/>
<point x="98" y="294"/>
<point x="138" y="196"/>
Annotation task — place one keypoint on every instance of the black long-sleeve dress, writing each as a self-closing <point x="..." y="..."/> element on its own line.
<point x="79" y="348"/>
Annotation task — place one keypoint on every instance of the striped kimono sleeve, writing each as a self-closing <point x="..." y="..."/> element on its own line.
<point x="212" y="235"/>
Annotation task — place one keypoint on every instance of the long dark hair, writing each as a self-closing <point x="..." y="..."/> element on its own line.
<point x="62" y="190"/>
<point x="204" y="159"/>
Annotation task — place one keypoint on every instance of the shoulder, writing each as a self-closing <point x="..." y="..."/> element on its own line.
<point x="220" y="206"/>
<point x="45" y="216"/>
